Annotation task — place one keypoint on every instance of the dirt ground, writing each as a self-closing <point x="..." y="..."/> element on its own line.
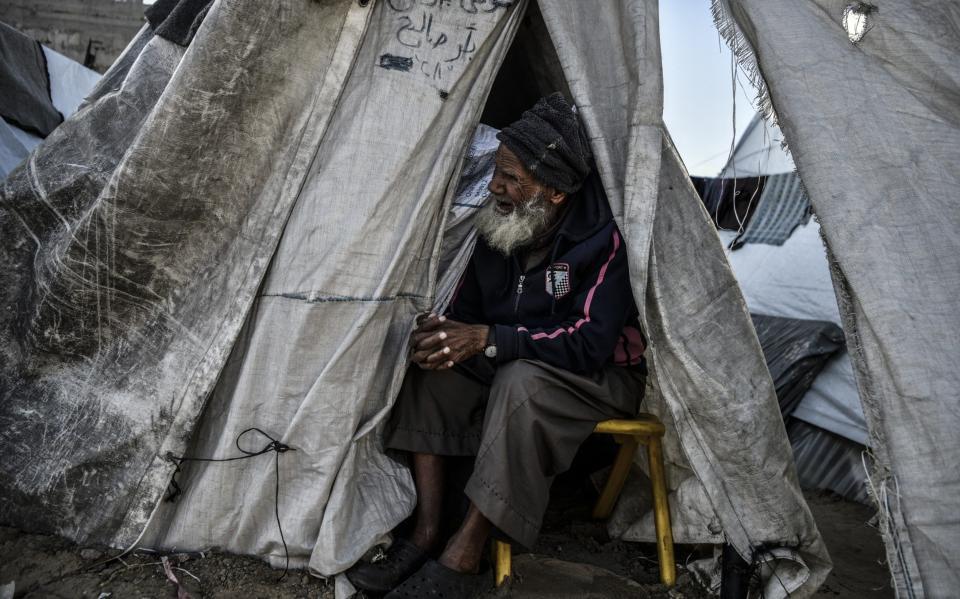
<point x="573" y="558"/>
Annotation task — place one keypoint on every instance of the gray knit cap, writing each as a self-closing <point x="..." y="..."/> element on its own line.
<point x="551" y="143"/>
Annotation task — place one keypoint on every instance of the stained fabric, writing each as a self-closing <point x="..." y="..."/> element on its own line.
<point x="874" y="128"/>
<point x="110" y="344"/>
<point x="697" y="371"/>
<point x="244" y="233"/>
<point x="25" y="99"/>
<point x="330" y="323"/>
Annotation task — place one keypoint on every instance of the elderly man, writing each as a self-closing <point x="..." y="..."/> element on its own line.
<point x="541" y="342"/>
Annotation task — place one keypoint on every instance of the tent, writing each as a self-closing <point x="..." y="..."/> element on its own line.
<point x="787" y="275"/>
<point x="239" y="229"/>
<point x="251" y="233"/>
<point x="793" y="281"/>
<point x="66" y="83"/>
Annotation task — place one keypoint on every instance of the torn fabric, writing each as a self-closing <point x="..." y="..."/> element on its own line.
<point x="873" y="123"/>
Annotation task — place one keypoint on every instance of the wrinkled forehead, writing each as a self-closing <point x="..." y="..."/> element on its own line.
<point x="507" y="160"/>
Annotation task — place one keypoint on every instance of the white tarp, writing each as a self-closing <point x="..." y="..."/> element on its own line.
<point x="873" y="123"/>
<point x="793" y="281"/>
<point x="70" y="81"/>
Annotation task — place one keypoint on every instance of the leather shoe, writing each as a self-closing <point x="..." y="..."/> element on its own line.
<point x="402" y="559"/>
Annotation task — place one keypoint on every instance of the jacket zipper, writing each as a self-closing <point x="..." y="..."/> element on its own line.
<point x="516" y="307"/>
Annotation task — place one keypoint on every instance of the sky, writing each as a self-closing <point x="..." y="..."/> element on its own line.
<point x="698" y="94"/>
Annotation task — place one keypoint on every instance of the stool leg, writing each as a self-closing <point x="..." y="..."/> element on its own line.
<point x="618" y="476"/>
<point x="661" y="512"/>
<point x="501" y="561"/>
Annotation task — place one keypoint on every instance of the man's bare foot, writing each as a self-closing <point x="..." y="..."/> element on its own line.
<point x="461" y="560"/>
<point x="465" y="548"/>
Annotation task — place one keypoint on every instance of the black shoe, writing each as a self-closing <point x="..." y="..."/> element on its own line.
<point x="434" y="580"/>
<point x="402" y="559"/>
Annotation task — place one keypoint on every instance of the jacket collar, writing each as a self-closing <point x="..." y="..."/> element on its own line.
<point x="588" y="211"/>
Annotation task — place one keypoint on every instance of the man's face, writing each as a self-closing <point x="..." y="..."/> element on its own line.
<point x="519" y="209"/>
<point x="513" y="185"/>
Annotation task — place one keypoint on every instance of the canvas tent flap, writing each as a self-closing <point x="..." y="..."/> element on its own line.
<point x="712" y="389"/>
<point x="711" y="386"/>
<point x="130" y="289"/>
<point x="874" y="128"/>
<point x="332" y="318"/>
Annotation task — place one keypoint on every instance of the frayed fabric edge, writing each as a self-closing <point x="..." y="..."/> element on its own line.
<point x="882" y="486"/>
<point x="745" y="56"/>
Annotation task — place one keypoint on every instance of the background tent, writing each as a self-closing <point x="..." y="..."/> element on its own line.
<point x="249" y="231"/>
<point x="867" y="95"/>
<point x="781" y="266"/>
<point x="793" y="281"/>
<point x="64" y="83"/>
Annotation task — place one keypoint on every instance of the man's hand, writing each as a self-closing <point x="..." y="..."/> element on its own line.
<point x="439" y="343"/>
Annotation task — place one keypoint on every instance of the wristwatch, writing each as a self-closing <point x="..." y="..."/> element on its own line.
<point x="490" y="350"/>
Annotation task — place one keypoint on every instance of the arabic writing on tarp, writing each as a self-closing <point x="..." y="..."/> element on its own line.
<point x="436" y="39"/>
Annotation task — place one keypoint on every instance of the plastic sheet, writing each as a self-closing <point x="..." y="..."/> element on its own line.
<point x="796" y="351"/>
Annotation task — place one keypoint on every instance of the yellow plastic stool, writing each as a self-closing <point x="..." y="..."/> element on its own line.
<point x="646" y="429"/>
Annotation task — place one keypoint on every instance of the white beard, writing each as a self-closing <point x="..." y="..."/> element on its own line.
<point x="507" y="232"/>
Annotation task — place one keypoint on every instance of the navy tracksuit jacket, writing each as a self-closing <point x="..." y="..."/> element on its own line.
<point x="575" y="310"/>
